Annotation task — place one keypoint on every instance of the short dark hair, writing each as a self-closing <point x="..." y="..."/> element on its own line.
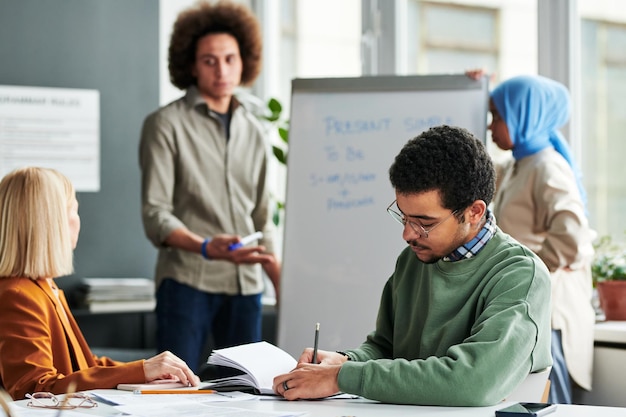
<point x="448" y="159"/>
<point x="205" y="18"/>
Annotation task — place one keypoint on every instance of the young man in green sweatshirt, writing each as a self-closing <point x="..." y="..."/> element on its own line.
<point x="465" y="316"/>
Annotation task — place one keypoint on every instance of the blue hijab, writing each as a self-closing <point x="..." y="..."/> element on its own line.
<point x="534" y="108"/>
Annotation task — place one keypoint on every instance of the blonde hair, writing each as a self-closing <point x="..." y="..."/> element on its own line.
<point x="35" y="240"/>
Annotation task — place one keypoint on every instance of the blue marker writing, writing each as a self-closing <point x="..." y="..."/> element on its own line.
<point x="246" y="240"/>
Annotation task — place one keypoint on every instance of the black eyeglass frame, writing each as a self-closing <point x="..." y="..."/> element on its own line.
<point x="417" y="228"/>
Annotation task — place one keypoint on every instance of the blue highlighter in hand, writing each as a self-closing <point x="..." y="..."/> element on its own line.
<point x="246" y="240"/>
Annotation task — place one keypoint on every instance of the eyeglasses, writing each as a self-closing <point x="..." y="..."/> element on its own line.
<point x="69" y="402"/>
<point x="417" y="228"/>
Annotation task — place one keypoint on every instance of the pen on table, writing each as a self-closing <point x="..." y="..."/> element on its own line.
<point x="5" y="399"/>
<point x="246" y="240"/>
<point x="317" y="336"/>
<point x="176" y="391"/>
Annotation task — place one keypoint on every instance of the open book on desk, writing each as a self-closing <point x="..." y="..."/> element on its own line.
<point x="260" y="362"/>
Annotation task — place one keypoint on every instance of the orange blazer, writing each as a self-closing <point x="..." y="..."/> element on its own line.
<point x="42" y="348"/>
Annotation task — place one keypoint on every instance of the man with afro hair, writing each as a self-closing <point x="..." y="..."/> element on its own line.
<point x="204" y="166"/>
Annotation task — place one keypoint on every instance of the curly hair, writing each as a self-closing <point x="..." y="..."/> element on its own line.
<point x="448" y="159"/>
<point x="205" y="18"/>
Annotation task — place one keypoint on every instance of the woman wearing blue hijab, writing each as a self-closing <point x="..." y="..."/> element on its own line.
<point x="540" y="201"/>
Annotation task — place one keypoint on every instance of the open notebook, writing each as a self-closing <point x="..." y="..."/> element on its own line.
<point x="260" y="362"/>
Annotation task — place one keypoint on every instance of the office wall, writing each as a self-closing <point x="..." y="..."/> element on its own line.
<point x="110" y="46"/>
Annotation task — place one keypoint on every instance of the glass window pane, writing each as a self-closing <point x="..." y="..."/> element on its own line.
<point x="315" y="43"/>
<point x="603" y="75"/>
<point x="446" y="37"/>
<point x="446" y="61"/>
<point x="616" y="38"/>
<point x="451" y="25"/>
<point x="498" y="35"/>
<point x="328" y="44"/>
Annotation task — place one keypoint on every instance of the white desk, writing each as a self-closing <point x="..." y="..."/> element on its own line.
<point x="611" y="332"/>
<point x="365" y="408"/>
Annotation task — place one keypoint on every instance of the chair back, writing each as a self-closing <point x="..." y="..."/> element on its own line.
<point x="534" y="388"/>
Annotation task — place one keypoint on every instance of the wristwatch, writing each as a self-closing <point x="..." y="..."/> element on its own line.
<point x="344" y="354"/>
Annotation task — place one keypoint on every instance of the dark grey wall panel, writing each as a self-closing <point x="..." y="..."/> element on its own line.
<point x="110" y="46"/>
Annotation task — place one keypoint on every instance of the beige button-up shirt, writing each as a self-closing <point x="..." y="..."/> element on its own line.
<point x="538" y="203"/>
<point x="193" y="177"/>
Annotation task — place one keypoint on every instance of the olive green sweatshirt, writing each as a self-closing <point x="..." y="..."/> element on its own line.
<point x="463" y="333"/>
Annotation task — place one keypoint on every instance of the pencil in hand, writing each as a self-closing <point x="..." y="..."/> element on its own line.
<point x="317" y="335"/>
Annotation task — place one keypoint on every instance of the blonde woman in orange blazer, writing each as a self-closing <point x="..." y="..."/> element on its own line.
<point x="41" y="346"/>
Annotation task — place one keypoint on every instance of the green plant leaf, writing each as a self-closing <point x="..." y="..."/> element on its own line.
<point x="276" y="217"/>
<point x="284" y="134"/>
<point x="279" y="154"/>
<point x="273" y="118"/>
<point x="275" y="106"/>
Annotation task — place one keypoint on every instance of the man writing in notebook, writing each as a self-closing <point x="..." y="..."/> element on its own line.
<point x="465" y="316"/>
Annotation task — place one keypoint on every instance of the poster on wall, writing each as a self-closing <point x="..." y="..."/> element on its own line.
<point x="51" y="127"/>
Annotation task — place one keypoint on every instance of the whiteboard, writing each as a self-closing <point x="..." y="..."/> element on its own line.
<point x="340" y="245"/>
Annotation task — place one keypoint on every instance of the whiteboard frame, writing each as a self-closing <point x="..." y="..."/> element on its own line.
<point x="295" y="329"/>
<point x="440" y="82"/>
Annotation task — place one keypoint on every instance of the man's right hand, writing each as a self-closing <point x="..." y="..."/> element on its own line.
<point x="219" y="248"/>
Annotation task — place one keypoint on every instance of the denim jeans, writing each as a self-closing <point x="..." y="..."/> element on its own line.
<point x="560" y="383"/>
<point x="186" y="317"/>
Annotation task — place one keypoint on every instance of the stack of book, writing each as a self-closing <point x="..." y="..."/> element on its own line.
<point x="116" y="294"/>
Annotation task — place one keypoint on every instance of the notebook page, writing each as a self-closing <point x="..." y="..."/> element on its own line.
<point x="261" y="360"/>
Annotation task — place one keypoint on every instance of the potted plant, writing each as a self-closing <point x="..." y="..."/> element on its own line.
<point x="609" y="277"/>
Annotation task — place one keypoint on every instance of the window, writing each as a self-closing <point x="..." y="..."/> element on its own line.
<point x="288" y="48"/>
<point x="446" y="37"/>
<point x="603" y="70"/>
<point x="451" y="38"/>
<point x="318" y="39"/>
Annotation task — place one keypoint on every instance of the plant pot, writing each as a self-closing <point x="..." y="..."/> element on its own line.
<point x="612" y="295"/>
